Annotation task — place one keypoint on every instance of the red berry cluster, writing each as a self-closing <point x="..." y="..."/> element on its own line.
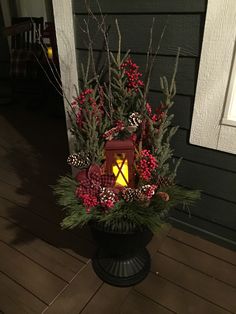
<point x="133" y="76"/>
<point x="79" y="119"/>
<point x="83" y="96"/>
<point x="159" y="115"/>
<point x="151" y="191"/>
<point x="149" y="109"/>
<point x="89" y="201"/>
<point x="146" y="164"/>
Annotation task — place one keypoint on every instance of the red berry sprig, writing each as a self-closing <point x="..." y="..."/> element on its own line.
<point x="146" y="164"/>
<point x="133" y="75"/>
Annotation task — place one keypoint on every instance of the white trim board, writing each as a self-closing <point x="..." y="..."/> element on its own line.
<point x="63" y="17"/>
<point x="216" y="59"/>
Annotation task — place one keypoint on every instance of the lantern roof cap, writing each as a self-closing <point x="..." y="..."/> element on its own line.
<point x="119" y="144"/>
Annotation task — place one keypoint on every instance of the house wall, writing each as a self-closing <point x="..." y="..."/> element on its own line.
<point x="211" y="171"/>
<point x="37" y="8"/>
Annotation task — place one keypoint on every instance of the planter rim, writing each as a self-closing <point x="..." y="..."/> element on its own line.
<point x="102" y="227"/>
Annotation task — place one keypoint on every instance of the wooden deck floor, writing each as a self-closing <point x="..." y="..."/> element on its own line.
<point x="46" y="270"/>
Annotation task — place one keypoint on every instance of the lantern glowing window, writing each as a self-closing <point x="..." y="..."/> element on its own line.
<point x="49" y="52"/>
<point x="119" y="161"/>
<point x="121" y="170"/>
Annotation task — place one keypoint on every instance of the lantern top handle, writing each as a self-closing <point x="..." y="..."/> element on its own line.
<point x="119" y="144"/>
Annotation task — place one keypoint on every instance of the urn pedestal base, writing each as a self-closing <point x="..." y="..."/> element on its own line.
<point x="122" y="271"/>
<point x="122" y="258"/>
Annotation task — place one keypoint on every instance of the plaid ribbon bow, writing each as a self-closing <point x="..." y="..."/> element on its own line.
<point x="91" y="180"/>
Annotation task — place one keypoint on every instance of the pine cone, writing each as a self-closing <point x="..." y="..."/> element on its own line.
<point x="164" y="196"/>
<point x="140" y="194"/>
<point x="128" y="194"/>
<point x="107" y="197"/>
<point x="135" y="119"/>
<point x="79" y="160"/>
<point x="164" y="181"/>
<point x="145" y="192"/>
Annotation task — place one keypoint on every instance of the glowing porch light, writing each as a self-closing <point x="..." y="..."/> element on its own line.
<point x="49" y="52"/>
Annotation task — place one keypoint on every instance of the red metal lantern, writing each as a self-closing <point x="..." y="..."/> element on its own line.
<point x="119" y="161"/>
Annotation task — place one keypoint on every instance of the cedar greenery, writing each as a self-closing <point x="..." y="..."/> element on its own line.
<point x="124" y="216"/>
<point x="105" y="98"/>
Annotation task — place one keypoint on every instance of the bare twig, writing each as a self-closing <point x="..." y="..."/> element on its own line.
<point x="119" y="42"/>
<point x="103" y="28"/>
<point x="149" y="51"/>
<point x="60" y="92"/>
<point x="172" y="84"/>
<point x="154" y="59"/>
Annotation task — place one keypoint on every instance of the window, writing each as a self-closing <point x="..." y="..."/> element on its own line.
<point x="229" y="117"/>
<point x="214" y="115"/>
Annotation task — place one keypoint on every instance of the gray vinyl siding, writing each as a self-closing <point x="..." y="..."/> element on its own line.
<point x="211" y="171"/>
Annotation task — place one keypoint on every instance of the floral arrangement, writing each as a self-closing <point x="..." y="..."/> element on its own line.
<point x="113" y="106"/>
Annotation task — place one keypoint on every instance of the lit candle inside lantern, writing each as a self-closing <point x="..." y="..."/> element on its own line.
<point x="50" y="54"/>
<point x="118" y="171"/>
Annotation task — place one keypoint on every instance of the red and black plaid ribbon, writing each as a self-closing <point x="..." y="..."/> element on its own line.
<point x="91" y="180"/>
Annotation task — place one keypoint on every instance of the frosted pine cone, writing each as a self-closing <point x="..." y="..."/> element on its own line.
<point x="146" y="192"/>
<point x="107" y="197"/>
<point x="79" y="160"/>
<point x="135" y="119"/>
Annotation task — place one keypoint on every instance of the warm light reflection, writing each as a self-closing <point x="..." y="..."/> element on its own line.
<point x="121" y="179"/>
<point x="50" y="54"/>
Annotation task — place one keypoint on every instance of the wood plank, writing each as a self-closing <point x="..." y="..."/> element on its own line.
<point x="138" y="304"/>
<point x="25" y="197"/>
<point x="210" y="180"/>
<point x="182" y="31"/>
<point x="143" y="6"/>
<point x="53" y="259"/>
<point x="158" y="239"/>
<point x="201" y="154"/>
<point x="198" y="283"/>
<point x="107" y="300"/>
<point x="198" y="260"/>
<point x="14" y="124"/>
<point x="41" y="228"/>
<point x="11" y="167"/>
<point x="175" y="298"/>
<point x="74" y="298"/>
<point x="203" y="245"/>
<point x="30" y="275"/>
<point x="187" y="70"/>
<point x="35" y="200"/>
<point x="15" y="299"/>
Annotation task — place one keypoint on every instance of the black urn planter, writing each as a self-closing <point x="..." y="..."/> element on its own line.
<point x="122" y="258"/>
